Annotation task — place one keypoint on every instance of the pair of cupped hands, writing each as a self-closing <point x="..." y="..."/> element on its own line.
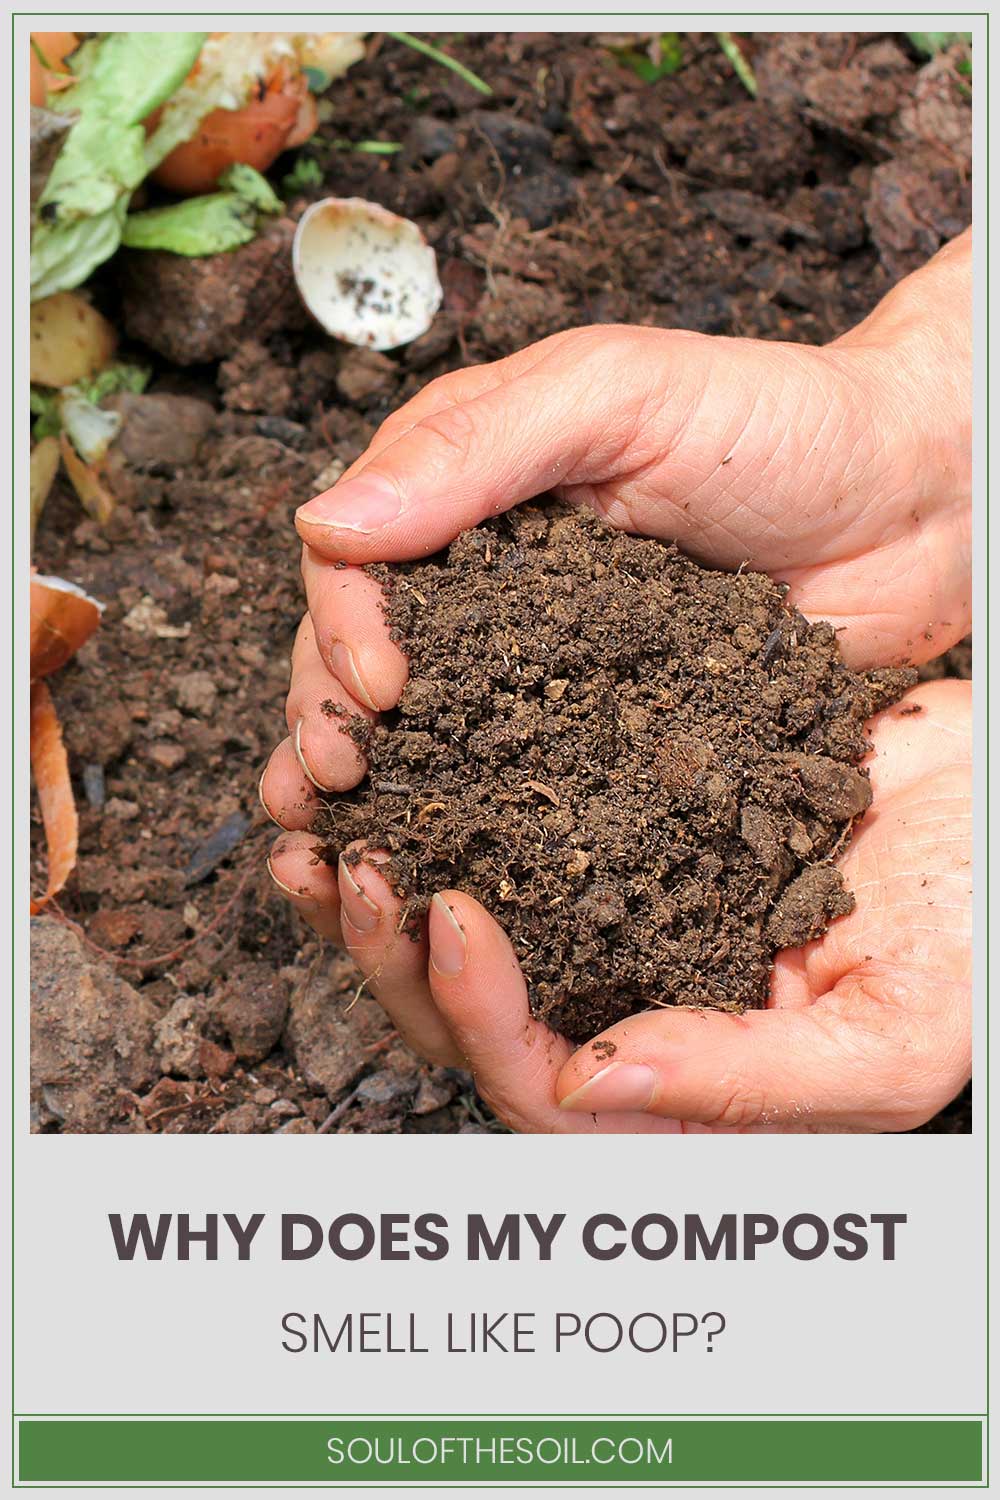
<point x="843" y="471"/>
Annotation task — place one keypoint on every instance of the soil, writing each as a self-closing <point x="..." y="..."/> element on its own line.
<point x="576" y="194"/>
<point x="643" y="766"/>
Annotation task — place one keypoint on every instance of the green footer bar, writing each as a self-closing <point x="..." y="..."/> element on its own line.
<point x="493" y="1451"/>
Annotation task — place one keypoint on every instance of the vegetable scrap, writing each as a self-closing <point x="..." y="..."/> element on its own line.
<point x="63" y="618"/>
<point x="366" y="275"/>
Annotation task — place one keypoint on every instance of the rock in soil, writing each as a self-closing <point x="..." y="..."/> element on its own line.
<point x="161" y="432"/>
<point x="365" y="373"/>
<point x="643" y="767"/>
<point x="252" y="1007"/>
<point x="332" y="1044"/>
<point x="911" y="210"/>
<point x="192" y="309"/>
<point x="179" y="1037"/>
<point x="91" y="1034"/>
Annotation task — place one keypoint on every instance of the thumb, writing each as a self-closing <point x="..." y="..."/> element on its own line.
<point x="847" y="1062"/>
<point x="469" y="446"/>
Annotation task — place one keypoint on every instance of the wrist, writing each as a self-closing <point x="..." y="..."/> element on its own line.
<point x="913" y="359"/>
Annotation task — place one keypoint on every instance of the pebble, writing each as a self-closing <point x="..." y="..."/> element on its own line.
<point x="165" y="754"/>
<point x="195" y="693"/>
<point x="284" y="1109"/>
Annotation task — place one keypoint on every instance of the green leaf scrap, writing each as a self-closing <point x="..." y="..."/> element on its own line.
<point x="368" y="148"/>
<point x="209" y="225"/>
<point x="58" y="411"/>
<point x="665" y="57"/>
<point x="930" y="43"/>
<point x="306" y="173"/>
<point x="122" y="77"/>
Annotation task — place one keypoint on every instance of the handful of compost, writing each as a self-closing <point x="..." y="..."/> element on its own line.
<point x="644" y="768"/>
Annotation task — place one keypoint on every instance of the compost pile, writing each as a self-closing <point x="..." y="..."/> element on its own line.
<point x="643" y="767"/>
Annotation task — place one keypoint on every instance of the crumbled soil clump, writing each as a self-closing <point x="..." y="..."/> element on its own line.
<point x="644" y="767"/>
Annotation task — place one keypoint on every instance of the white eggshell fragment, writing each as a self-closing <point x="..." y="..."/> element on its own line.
<point x="366" y="275"/>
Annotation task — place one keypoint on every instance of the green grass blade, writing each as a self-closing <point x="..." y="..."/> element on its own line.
<point x="741" y="67"/>
<point x="369" y="148"/>
<point x="442" y="58"/>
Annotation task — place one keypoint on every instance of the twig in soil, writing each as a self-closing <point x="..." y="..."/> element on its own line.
<point x="160" y="958"/>
<point x="336" y="1114"/>
<point x="360" y="990"/>
<point x="741" y="67"/>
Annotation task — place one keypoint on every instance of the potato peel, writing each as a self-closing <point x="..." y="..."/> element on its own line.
<point x="69" y="341"/>
<point x="44" y="468"/>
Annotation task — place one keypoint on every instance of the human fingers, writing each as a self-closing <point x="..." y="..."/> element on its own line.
<point x="309" y="885"/>
<point x="475" y="450"/>
<point x="842" y="1064"/>
<point x="391" y="957"/>
<point x="287" y="794"/>
<point x="320" y="712"/>
<point x="346" y="608"/>
<point x="742" y="451"/>
<point x="479" y="989"/>
<point x="317" y="754"/>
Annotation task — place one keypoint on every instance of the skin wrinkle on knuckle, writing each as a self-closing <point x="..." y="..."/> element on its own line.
<point x="742" y="1107"/>
<point x="456" y="430"/>
<point x="505" y="1110"/>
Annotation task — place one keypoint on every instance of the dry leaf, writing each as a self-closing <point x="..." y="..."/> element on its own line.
<point x="94" y="497"/>
<point x="55" y="792"/>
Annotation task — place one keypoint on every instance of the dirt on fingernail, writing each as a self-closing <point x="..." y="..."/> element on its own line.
<point x="642" y="767"/>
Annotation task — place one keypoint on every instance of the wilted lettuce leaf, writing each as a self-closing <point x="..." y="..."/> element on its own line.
<point x="252" y="186"/>
<point x="48" y="407"/>
<point x="122" y="77"/>
<point x="195" y="226"/>
<point x="90" y="429"/>
<point x="207" y="225"/>
<point x="116" y="377"/>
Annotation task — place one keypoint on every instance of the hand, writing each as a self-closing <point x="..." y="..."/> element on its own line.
<point x="866" y="1029"/>
<point x="843" y="471"/>
<point x="833" y="469"/>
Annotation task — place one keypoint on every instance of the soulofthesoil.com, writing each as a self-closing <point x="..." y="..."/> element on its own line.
<point x="500" y="1451"/>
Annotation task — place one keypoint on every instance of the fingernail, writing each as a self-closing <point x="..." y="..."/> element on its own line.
<point x="359" y="909"/>
<point x="449" y="949"/>
<point x="260" y="798"/>
<point x="297" y="746"/>
<point x="618" y="1086"/>
<point x="364" y="504"/>
<point x="295" y="895"/>
<point x="342" y="663"/>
